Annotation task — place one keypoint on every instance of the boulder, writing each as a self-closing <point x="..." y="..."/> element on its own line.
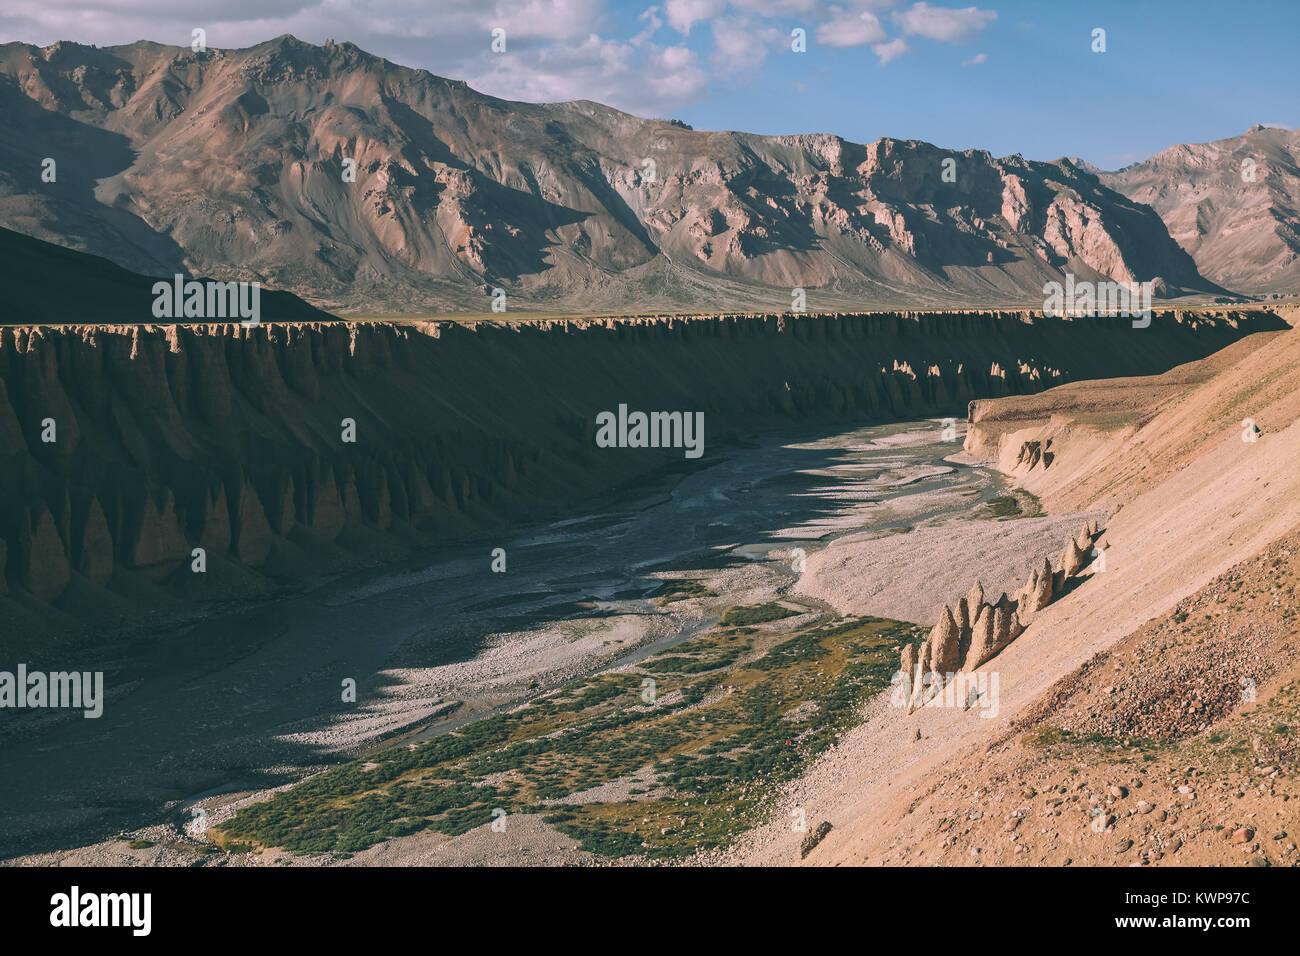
<point x="945" y="642"/>
<point x="982" y="643"/>
<point x="1004" y="612"/>
<point x="1072" y="559"/>
<point x="907" y="666"/>
<point x="963" y="615"/>
<point x="918" y="679"/>
<point x="1044" y="588"/>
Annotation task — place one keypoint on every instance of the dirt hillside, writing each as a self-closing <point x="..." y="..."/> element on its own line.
<point x="1197" y="596"/>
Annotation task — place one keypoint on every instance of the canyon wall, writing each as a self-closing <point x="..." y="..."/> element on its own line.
<point x="123" y="448"/>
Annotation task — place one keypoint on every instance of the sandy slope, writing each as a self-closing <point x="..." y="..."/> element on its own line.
<point x="911" y="576"/>
<point x="1177" y="745"/>
<point x="1189" y="500"/>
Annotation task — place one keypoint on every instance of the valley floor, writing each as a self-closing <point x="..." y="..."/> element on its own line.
<point x="1150" y="715"/>
<point x="748" y="534"/>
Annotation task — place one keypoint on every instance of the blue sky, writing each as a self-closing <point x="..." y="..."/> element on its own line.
<point x="1013" y="76"/>
<point x="1170" y="74"/>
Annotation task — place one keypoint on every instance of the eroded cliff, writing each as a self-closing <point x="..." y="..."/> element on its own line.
<point x="124" y="448"/>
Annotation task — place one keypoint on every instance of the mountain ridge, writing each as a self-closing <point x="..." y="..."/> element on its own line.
<point x="231" y="163"/>
<point x="1233" y="204"/>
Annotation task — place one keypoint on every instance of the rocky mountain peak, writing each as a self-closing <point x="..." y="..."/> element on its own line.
<point x="234" y="161"/>
<point x="1233" y="204"/>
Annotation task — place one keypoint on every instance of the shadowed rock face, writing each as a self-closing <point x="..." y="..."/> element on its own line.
<point x="47" y="283"/>
<point x="231" y="163"/>
<point x="1234" y="204"/>
<point x="174" y="437"/>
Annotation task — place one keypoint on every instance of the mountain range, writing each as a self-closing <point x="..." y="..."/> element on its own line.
<point x="364" y="186"/>
<point x="1234" y="204"/>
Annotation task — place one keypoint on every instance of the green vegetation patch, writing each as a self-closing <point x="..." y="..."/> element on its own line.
<point x="1018" y="504"/>
<point x="680" y="590"/>
<point x="1060" y="740"/>
<point x="711" y="720"/>
<point x="1005" y="507"/>
<point x="723" y="650"/>
<point x="756" y="614"/>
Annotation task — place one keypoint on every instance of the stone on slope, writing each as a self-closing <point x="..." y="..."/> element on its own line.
<point x="945" y="640"/>
<point x="1072" y="559"/>
<point x="982" y="639"/>
<point x="907" y="666"/>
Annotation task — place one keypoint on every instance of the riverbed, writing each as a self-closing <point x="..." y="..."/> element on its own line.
<point x="261" y="697"/>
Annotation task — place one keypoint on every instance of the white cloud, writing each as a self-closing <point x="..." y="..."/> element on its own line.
<point x="946" y="24"/>
<point x="683" y="14"/>
<point x="739" y="44"/>
<point x="891" y="50"/>
<point x="551" y="19"/>
<point x="374" y="26"/>
<point x="647" y="80"/>
<point x="846" y="29"/>
<point x="976" y="60"/>
<point x="650" y="17"/>
<point x="780" y="8"/>
<point x="675" y="76"/>
<point x="554" y="48"/>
